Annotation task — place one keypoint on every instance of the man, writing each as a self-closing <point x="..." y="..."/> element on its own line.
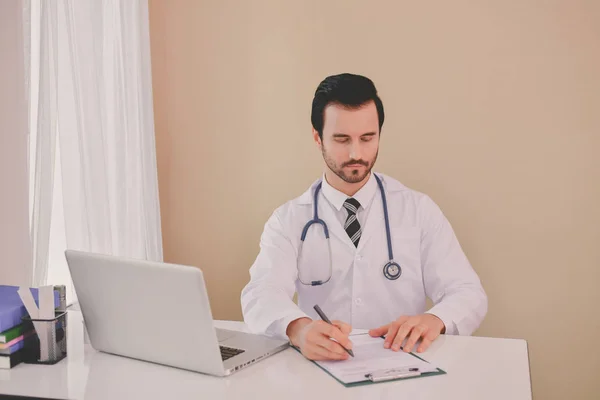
<point x="364" y="284"/>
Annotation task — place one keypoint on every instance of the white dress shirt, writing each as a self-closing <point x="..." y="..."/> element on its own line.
<point x="364" y="196"/>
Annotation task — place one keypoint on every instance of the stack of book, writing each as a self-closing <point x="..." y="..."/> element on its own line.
<point x="13" y="332"/>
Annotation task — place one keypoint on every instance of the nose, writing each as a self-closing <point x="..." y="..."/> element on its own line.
<point x="355" y="151"/>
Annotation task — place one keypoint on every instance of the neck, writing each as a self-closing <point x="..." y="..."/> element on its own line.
<point x="347" y="188"/>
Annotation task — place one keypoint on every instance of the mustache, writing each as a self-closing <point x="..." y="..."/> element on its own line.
<point x="353" y="162"/>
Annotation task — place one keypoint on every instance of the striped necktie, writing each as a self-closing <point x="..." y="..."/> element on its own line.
<point x="352" y="226"/>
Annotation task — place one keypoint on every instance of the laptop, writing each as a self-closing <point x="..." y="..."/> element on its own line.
<point x="159" y="312"/>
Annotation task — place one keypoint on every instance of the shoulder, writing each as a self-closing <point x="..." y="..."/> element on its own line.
<point x="421" y="205"/>
<point x="291" y="209"/>
<point x="396" y="188"/>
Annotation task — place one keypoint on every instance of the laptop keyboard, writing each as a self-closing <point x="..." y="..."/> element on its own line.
<point x="228" y="352"/>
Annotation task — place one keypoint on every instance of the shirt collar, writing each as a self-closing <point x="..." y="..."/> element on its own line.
<point x="337" y="198"/>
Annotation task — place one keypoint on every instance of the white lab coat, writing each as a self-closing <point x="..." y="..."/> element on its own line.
<point x="433" y="265"/>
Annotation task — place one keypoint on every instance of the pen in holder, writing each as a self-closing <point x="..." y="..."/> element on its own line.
<point x="48" y="343"/>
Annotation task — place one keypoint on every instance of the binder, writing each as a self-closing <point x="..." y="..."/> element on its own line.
<point x="381" y="365"/>
<point x="387" y="375"/>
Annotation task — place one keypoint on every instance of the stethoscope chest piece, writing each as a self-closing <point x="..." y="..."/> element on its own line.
<point x="392" y="271"/>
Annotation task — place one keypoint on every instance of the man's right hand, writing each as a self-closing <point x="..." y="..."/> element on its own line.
<point x="314" y="338"/>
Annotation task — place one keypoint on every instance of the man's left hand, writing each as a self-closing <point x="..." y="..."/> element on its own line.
<point x="412" y="328"/>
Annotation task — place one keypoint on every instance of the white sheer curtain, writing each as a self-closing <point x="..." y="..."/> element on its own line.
<point x="92" y="150"/>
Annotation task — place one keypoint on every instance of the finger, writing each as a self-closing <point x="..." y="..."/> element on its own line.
<point x="425" y="343"/>
<point x="321" y="346"/>
<point x="331" y="346"/>
<point x="415" y="335"/>
<point x="427" y="340"/>
<point x="342" y="326"/>
<point x="393" y="330"/>
<point x="379" y="331"/>
<point x="318" y="353"/>
<point x="404" y="330"/>
<point x="391" y="334"/>
<point x="323" y="335"/>
<point x="333" y="332"/>
<point x="322" y="354"/>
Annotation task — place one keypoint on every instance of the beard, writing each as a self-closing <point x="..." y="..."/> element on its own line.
<point x="349" y="175"/>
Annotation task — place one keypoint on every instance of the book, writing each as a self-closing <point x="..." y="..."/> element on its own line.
<point x="12" y="349"/>
<point x="12" y="308"/>
<point x="12" y="333"/>
<point x="15" y="344"/>
<point x="9" y="361"/>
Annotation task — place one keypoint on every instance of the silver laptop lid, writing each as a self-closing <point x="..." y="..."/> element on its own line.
<point x="151" y="311"/>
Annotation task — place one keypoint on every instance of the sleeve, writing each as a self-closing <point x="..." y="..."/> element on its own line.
<point x="267" y="300"/>
<point x="454" y="287"/>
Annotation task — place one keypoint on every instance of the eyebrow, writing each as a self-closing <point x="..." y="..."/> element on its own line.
<point x="343" y="135"/>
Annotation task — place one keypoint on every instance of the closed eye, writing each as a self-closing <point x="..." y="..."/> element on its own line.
<point x="341" y="138"/>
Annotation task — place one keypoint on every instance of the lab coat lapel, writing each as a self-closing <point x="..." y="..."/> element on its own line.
<point x="373" y="223"/>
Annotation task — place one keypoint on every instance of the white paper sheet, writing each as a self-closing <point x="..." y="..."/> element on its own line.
<point x="46" y="302"/>
<point x="28" y="301"/>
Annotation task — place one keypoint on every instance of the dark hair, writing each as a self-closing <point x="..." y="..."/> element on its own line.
<point x="349" y="90"/>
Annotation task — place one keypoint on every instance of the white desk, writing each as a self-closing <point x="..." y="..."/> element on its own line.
<point x="477" y="368"/>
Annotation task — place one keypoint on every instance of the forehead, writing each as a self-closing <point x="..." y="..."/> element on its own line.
<point x="350" y="121"/>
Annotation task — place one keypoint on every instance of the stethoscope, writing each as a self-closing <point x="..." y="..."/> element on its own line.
<point x="391" y="270"/>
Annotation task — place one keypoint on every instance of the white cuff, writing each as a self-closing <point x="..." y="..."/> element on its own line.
<point x="444" y="315"/>
<point x="278" y="328"/>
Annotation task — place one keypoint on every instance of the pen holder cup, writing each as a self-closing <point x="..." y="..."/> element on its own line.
<point x="47" y="344"/>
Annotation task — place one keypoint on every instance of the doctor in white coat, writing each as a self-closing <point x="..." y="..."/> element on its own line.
<point x="355" y="276"/>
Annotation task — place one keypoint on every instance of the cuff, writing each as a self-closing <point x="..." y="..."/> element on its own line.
<point x="445" y="316"/>
<point x="279" y="327"/>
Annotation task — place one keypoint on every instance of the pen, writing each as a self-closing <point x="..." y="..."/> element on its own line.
<point x="324" y="318"/>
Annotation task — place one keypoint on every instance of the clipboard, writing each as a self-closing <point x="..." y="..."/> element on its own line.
<point x="385" y="374"/>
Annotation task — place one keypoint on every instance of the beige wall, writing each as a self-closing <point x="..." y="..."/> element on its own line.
<point x="15" y="246"/>
<point x="493" y="109"/>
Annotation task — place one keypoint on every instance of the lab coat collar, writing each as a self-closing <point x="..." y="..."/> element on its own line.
<point x="391" y="186"/>
<point x="363" y="196"/>
<point x="376" y="213"/>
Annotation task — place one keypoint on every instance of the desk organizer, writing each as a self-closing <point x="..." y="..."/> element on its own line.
<point x="54" y="331"/>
